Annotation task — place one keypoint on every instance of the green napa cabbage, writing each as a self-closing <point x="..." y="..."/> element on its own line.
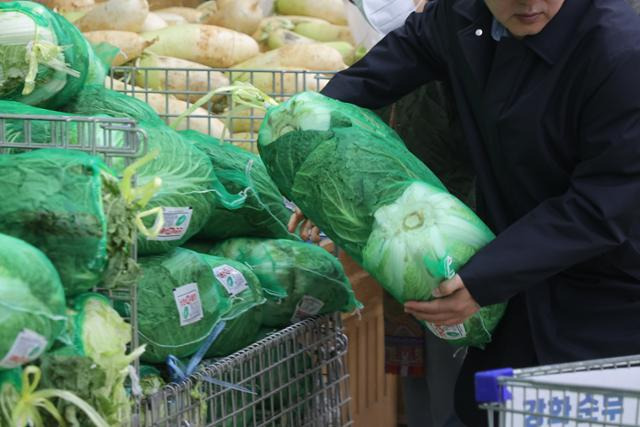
<point x="44" y="59"/>
<point x="354" y="178"/>
<point x="309" y="274"/>
<point x="164" y="329"/>
<point x="263" y="214"/>
<point x="96" y="364"/>
<point x="68" y="204"/>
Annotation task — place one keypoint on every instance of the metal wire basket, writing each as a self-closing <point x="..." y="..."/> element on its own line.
<point x="603" y="392"/>
<point x="294" y="377"/>
<point x="172" y="90"/>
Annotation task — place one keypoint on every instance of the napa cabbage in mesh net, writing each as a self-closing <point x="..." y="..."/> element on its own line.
<point x="354" y="178"/>
<point x="29" y="278"/>
<point x="44" y="59"/>
<point x="69" y="205"/>
<point x="190" y="189"/>
<point x="244" y="317"/>
<point x="313" y="278"/>
<point x="32" y="303"/>
<point x="95" y="364"/>
<point x="179" y="304"/>
<point x="264" y="213"/>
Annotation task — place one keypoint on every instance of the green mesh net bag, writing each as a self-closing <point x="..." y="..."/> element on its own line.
<point x="179" y="304"/>
<point x="354" y="178"/>
<point x="32" y="303"/>
<point x="190" y="189"/>
<point x="244" y="317"/>
<point x="313" y="278"/>
<point x="263" y="214"/>
<point x="69" y="205"/>
<point x="44" y="59"/>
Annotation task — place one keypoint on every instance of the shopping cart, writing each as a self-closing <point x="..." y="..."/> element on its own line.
<point x="603" y="392"/>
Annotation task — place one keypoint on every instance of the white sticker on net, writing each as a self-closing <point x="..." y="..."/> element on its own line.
<point x="188" y="303"/>
<point x="232" y="280"/>
<point x="452" y="332"/>
<point x="27" y="346"/>
<point x="307" y="306"/>
<point x="176" y="223"/>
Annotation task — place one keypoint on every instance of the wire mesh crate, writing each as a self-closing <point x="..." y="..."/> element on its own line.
<point x="295" y="377"/>
<point x="112" y="139"/>
<point x="173" y="90"/>
<point x="603" y="392"/>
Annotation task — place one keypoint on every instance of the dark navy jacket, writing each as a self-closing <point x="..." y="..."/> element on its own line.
<point x="552" y="126"/>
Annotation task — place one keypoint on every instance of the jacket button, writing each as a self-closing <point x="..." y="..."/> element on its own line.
<point x="479" y="32"/>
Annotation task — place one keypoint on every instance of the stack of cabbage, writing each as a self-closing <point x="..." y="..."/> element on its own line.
<point x="352" y="175"/>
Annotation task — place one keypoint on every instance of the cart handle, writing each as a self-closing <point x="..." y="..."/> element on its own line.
<point x="489" y="389"/>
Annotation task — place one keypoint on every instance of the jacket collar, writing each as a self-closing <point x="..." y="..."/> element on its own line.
<point x="552" y="42"/>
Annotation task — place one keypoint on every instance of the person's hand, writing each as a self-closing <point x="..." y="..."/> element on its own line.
<point x="452" y="306"/>
<point x="308" y="231"/>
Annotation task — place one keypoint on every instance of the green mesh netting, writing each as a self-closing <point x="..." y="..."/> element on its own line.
<point x="68" y="205"/>
<point x="179" y="304"/>
<point x="244" y="317"/>
<point x="354" y="178"/>
<point x="44" y="59"/>
<point x="264" y="213"/>
<point x="313" y="278"/>
<point x="190" y="190"/>
<point x="32" y="303"/>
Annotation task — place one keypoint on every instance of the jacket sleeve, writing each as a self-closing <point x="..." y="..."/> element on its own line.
<point x="598" y="212"/>
<point x="402" y="61"/>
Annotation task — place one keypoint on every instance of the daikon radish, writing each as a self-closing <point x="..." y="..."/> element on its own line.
<point x="283" y="81"/>
<point x="123" y="15"/>
<point x="130" y="44"/>
<point x="204" y="44"/>
<point x="153" y="23"/>
<point x="191" y="77"/>
<point x="314" y="56"/>
<point x="239" y="15"/>
<point x="312" y="28"/>
<point x="171" y="18"/>
<point x="330" y="10"/>
<point x="163" y="4"/>
<point x="190" y="14"/>
<point x="244" y="121"/>
<point x="282" y="37"/>
<point x="324" y="31"/>
<point x="168" y="107"/>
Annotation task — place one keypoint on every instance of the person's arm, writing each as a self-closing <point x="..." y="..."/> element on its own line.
<point x="599" y="211"/>
<point x="403" y="60"/>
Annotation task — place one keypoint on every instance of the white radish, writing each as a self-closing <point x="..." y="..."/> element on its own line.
<point x="204" y="44"/>
<point x="130" y="44"/>
<point x="330" y="10"/>
<point x="169" y="108"/>
<point x="190" y="14"/>
<point x="123" y="15"/>
<point x="314" y="56"/>
<point x="283" y="81"/>
<point x="239" y="15"/>
<point x="179" y="76"/>
<point x="171" y="18"/>
<point x="153" y="22"/>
